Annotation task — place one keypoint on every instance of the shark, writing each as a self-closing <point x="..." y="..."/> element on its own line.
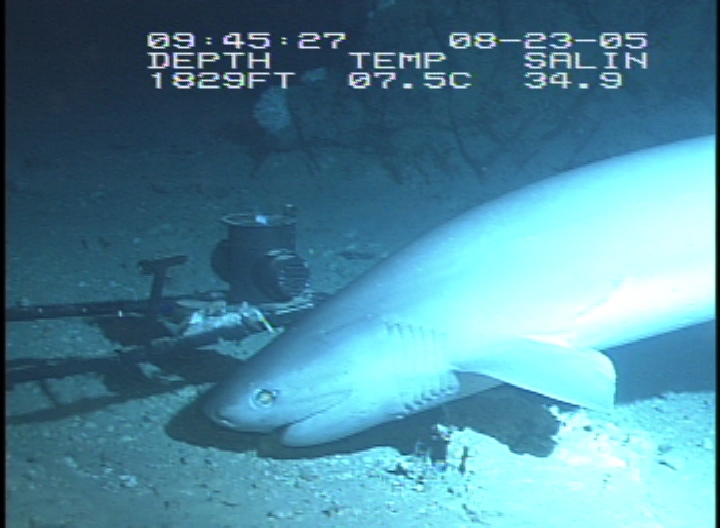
<point x="528" y="289"/>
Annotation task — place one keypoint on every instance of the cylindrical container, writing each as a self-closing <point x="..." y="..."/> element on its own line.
<point x="258" y="258"/>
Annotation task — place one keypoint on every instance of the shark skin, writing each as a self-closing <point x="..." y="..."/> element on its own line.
<point x="526" y="290"/>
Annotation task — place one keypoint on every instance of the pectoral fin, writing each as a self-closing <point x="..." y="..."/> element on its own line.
<point x="580" y="376"/>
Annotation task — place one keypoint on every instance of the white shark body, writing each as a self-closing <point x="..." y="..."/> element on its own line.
<point x="526" y="290"/>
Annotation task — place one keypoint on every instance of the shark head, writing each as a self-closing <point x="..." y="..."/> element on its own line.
<point x="317" y="386"/>
<point x="261" y="398"/>
<point x="305" y="384"/>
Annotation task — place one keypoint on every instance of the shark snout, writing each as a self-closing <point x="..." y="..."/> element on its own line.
<point x="232" y="410"/>
<point x="218" y="417"/>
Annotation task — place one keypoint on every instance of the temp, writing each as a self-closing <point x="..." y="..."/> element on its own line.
<point x="390" y="60"/>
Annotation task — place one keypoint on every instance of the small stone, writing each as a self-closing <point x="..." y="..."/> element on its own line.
<point x="280" y="514"/>
<point x="128" y="481"/>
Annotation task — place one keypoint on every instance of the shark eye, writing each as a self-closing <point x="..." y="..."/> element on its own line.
<point x="265" y="397"/>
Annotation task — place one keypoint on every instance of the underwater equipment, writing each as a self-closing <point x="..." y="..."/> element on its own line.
<point x="268" y="287"/>
<point x="258" y="258"/>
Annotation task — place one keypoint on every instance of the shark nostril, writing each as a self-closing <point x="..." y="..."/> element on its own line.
<point x="223" y="422"/>
<point x="216" y="417"/>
